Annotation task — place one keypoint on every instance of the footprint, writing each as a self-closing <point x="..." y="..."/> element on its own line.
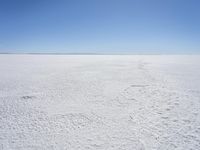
<point x="176" y="104"/>
<point x="28" y="97"/>
<point x="164" y="117"/>
<point x="132" y="99"/>
<point x="186" y="120"/>
<point x="175" y="120"/>
<point x="139" y="85"/>
<point x="159" y="113"/>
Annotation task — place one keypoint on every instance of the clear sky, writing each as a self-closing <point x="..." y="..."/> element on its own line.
<point x="100" y="26"/>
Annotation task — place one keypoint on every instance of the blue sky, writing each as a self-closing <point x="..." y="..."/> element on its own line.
<point x="100" y="26"/>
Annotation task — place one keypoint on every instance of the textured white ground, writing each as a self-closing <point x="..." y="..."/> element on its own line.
<point x="99" y="102"/>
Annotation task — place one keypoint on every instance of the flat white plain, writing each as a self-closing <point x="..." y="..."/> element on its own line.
<point x="105" y="102"/>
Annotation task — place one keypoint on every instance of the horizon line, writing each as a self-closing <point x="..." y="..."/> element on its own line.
<point x="93" y="53"/>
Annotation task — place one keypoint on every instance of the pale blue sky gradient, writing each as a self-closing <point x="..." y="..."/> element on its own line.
<point x="100" y="26"/>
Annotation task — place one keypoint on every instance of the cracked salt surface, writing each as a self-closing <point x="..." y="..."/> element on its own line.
<point x="99" y="102"/>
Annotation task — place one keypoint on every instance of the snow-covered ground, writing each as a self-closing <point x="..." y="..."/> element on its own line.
<point x="99" y="102"/>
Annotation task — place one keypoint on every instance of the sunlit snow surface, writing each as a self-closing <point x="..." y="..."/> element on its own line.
<point x="99" y="102"/>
